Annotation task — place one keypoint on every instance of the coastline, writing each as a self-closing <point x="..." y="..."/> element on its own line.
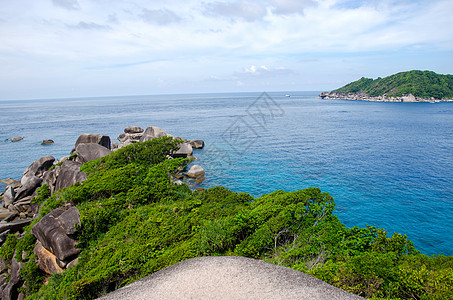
<point x="364" y="97"/>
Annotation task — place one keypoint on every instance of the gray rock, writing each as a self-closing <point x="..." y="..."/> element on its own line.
<point x="52" y="230"/>
<point x="14" y="226"/>
<point x="50" y="178"/>
<point x="4" y="213"/>
<point x="153" y="132"/>
<point x="197" y="144"/>
<point x="69" y="174"/>
<point x="133" y="129"/>
<point x="8" y="196"/>
<point x="195" y="171"/>
<point x="229" y="278"/>
<point x="29" y="185"/>
<point x="47" y="142"/>
<point x="10" y="291"/>
<point x="87" y="152"/>
<point x="16" y="139"/>
<point x="88" y="138"/>
<point x="13" y="209"/>
<point x="117" y="146"/>
<point x="133" y="137"/>
<point x="185" y="150"/>
<point x="39" y="166"/>
<point x="69" y="219"/>
<point x="2" y="266"/>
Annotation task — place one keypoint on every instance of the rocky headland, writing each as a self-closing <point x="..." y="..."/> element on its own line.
<point x="410" y="86"/>
<point x="55" y="233"/>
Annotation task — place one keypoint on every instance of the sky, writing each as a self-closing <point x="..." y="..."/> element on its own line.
<point x="84" y="48"/>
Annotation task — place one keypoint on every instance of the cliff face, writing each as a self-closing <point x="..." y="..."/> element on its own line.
<point x="411" y="86"/>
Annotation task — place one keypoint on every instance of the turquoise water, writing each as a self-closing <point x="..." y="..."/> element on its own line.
<point x="388" y="165"/>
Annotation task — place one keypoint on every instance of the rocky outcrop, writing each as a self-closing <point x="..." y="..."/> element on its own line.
<point x="29" y="185"/>
<point x="185" y="150"/>
<point x="39" y="166"/>
<point x="69" y="174"/>
<point x="16" y="139"/>
<point x="197" y="144"/>
<point x="55" y="248"/>
<point x="195" y="171"/>
<point x="153" y="132"/>
<point x="47" y="142"/>
<point x="133" y="129"/>
<point x="88" y="138"/>
<point x="55" y="232"/>
<point x="86" y="152"/>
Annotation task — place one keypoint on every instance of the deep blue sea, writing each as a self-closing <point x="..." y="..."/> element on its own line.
<point x="388" y="165"/>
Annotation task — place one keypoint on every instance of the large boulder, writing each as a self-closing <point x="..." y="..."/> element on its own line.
<point x="195" y="171"/>
<point x="39" y="166"/>
<point x="55" y="232"/>
<point x="153" y="132"/>
<point x="133" y="137"/>
<point x="29" y="185"/>
<point x="197" y="144"/>
<point x="87" y="152"/>
<point x="185" y="150"/>
<point x="47" y="261"/>
<point x="89" y="138"/>
<point x="133" y="129"/>
<point x="8" y="196"/>
<point x="69" y="174"/>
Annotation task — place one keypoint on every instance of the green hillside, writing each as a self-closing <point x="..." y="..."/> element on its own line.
<point x="423" y="84"/>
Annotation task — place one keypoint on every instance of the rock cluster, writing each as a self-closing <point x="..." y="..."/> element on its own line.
<point x="55" y="232"/>
<point x="56" y="236"/>
<point x="384" y="98"/>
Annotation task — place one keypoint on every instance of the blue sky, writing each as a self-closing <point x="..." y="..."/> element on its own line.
<point x="78" y="48"/>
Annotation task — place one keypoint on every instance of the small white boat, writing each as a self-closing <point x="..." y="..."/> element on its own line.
<point x="287" y="95"/>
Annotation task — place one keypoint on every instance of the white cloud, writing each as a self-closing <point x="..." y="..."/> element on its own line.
<point x="285" y="7"/>
<point x="160" y="16"/>
<point x="246" y="10"/>
<point x="89" y="26"/>
<point x="68" y="4"/>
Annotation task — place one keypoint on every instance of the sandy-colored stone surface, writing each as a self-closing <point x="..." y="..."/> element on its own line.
<point x="228" y="278"/>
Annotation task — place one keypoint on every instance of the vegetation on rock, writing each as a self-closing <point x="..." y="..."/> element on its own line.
<point x="422" y="84"/>
<point x="135" y="221"/>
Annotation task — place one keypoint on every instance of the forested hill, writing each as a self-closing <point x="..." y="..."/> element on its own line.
<point x="422" y="84"/>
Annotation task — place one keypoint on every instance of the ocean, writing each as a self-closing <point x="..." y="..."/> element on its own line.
<point x="388" y="165"/>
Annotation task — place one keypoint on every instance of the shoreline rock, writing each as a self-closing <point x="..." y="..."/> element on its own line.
<point x="364" y="97"/>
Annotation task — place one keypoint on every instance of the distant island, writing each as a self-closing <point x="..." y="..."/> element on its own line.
<point x="411" y="86"/>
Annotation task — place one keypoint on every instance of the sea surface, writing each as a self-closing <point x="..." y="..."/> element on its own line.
<point x="388" y="165"/>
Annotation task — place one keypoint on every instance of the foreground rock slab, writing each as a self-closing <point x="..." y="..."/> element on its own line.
<point x="229" y="278"/>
